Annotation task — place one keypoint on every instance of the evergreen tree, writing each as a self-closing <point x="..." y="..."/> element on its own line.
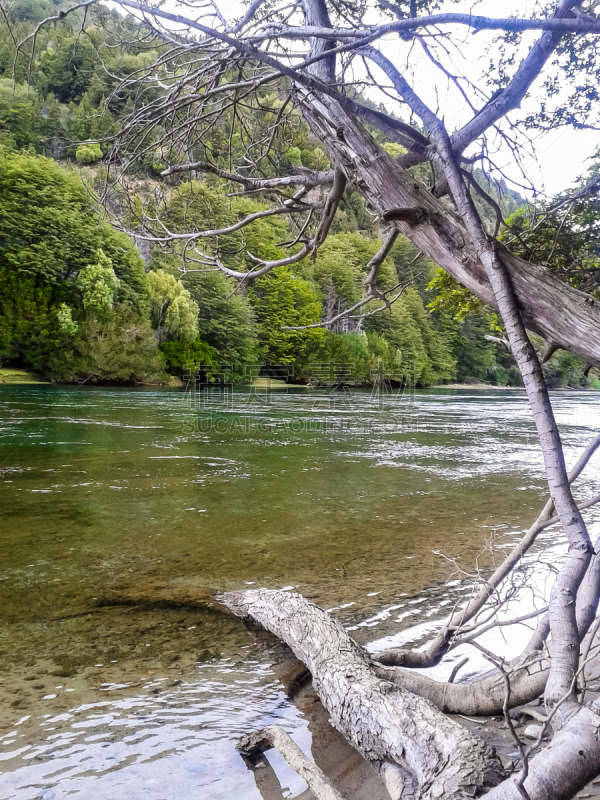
<point x="225" y="320"/>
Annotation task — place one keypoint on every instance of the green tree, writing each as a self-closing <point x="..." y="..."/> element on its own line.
<point x="66" y="323"/>
<point x="88" y="122"/>
<point x="294" y="156"/>
<point x="184" y="357"/>
<point x="566" y="237"/>
<point x="30" y="10"/>
<point x="29" y="330"/>
<point x="424" y="354"/>
<point x="340" y="267"/>
<point x="70" y="70"/>
<point x="88" y="153"/>
<point x="361" y="355"/>
<point x="171" y="306"/>
<point x="73" y="292"/>
<point x="204" y="206"/>
<point x="119" y="347"/>
<point x="50" y="231"/>
<point x="21" y="121"/>
<point x="225" y="320"/>
<point x="279" y="299"/>
<point x="98" y="285"/>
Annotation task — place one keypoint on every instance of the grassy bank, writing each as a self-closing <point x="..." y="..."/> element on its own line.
<point x="23" y="375"/>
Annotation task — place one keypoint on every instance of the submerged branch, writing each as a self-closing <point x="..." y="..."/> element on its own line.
<point x="440" y="645"/>
<point x="274" y="736"/>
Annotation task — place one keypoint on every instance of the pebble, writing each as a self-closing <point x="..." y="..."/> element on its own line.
<point x="532" y="731"/>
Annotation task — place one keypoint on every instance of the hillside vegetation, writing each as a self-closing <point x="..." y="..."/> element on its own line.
<point x="78" y="303"/>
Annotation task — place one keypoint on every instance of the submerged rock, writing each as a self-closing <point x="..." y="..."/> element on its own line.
<point x="532" y="731"/>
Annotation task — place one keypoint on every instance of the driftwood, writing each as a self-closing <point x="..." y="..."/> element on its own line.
<point x="386" y="723"/>
<point x="394" y="728"/>
<point x="274" y="736"/>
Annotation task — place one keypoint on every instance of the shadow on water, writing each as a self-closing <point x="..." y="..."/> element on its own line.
<point x="125" y="513"/>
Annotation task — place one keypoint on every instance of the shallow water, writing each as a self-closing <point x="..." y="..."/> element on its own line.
<point x="125" y="512"/>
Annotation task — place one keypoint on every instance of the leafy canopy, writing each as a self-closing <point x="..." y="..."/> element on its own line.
<point x="50" y="231"/>
<point x="98" y="285"/>
<point x="172" y="307"/>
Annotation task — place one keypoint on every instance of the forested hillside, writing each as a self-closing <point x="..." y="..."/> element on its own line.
<point x="80" y="302"/>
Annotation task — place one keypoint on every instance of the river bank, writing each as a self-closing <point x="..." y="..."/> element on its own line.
<point x="24" y="375"/>
<point x="20" y="376"/>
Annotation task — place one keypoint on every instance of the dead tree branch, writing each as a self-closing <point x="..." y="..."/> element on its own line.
<point x="254" y="744"/>
<point x="385" y="723"/>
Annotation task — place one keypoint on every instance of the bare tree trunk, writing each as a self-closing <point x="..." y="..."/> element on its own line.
<point x="387" y="724"/>
<point x="484" y="697"/>
<point x="555" y="310"/>
<point x="354" y="151"/>
<point x="563" y="623"/>
<point x="570" y="762"/>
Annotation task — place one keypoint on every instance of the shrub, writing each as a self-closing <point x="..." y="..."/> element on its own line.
<point x="186" y="356"/>
<point x="121" y="347"/>
<point x="88" y="153"/>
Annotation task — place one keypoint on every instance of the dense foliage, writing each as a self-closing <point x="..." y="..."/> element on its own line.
<point x="74" y="295"/>
<point x="78" y="303"/>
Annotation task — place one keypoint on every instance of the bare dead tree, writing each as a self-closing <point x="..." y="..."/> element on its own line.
<point x="322" y="59"/>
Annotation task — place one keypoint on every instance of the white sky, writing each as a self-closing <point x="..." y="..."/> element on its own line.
<point x="561" y="155"/>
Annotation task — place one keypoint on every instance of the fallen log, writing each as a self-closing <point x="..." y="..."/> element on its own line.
<point x="570" y="762"/>
<point x="389" y="725"/>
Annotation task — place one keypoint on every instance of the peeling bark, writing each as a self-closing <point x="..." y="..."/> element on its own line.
<point x="386" y="723"/>
<point x="558" y="312"/>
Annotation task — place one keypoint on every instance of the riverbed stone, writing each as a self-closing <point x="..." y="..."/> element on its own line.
<point x="532" y="731"/>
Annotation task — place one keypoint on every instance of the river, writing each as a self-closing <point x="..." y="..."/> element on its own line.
<point x="126" y="512"/>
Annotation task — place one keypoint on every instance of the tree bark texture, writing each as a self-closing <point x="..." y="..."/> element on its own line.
<point x="386" y="723"/>
<point x="484" y="697"/>
<point x="394" y="728"/>
<point x="555" y="310"/>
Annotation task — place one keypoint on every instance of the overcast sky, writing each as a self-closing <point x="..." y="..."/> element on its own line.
<point x="561" y="156"/>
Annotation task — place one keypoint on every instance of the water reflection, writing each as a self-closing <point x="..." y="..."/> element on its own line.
<point x="125" y="513"/>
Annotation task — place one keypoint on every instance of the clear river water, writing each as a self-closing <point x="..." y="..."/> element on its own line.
<point x="126" y="512"/>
